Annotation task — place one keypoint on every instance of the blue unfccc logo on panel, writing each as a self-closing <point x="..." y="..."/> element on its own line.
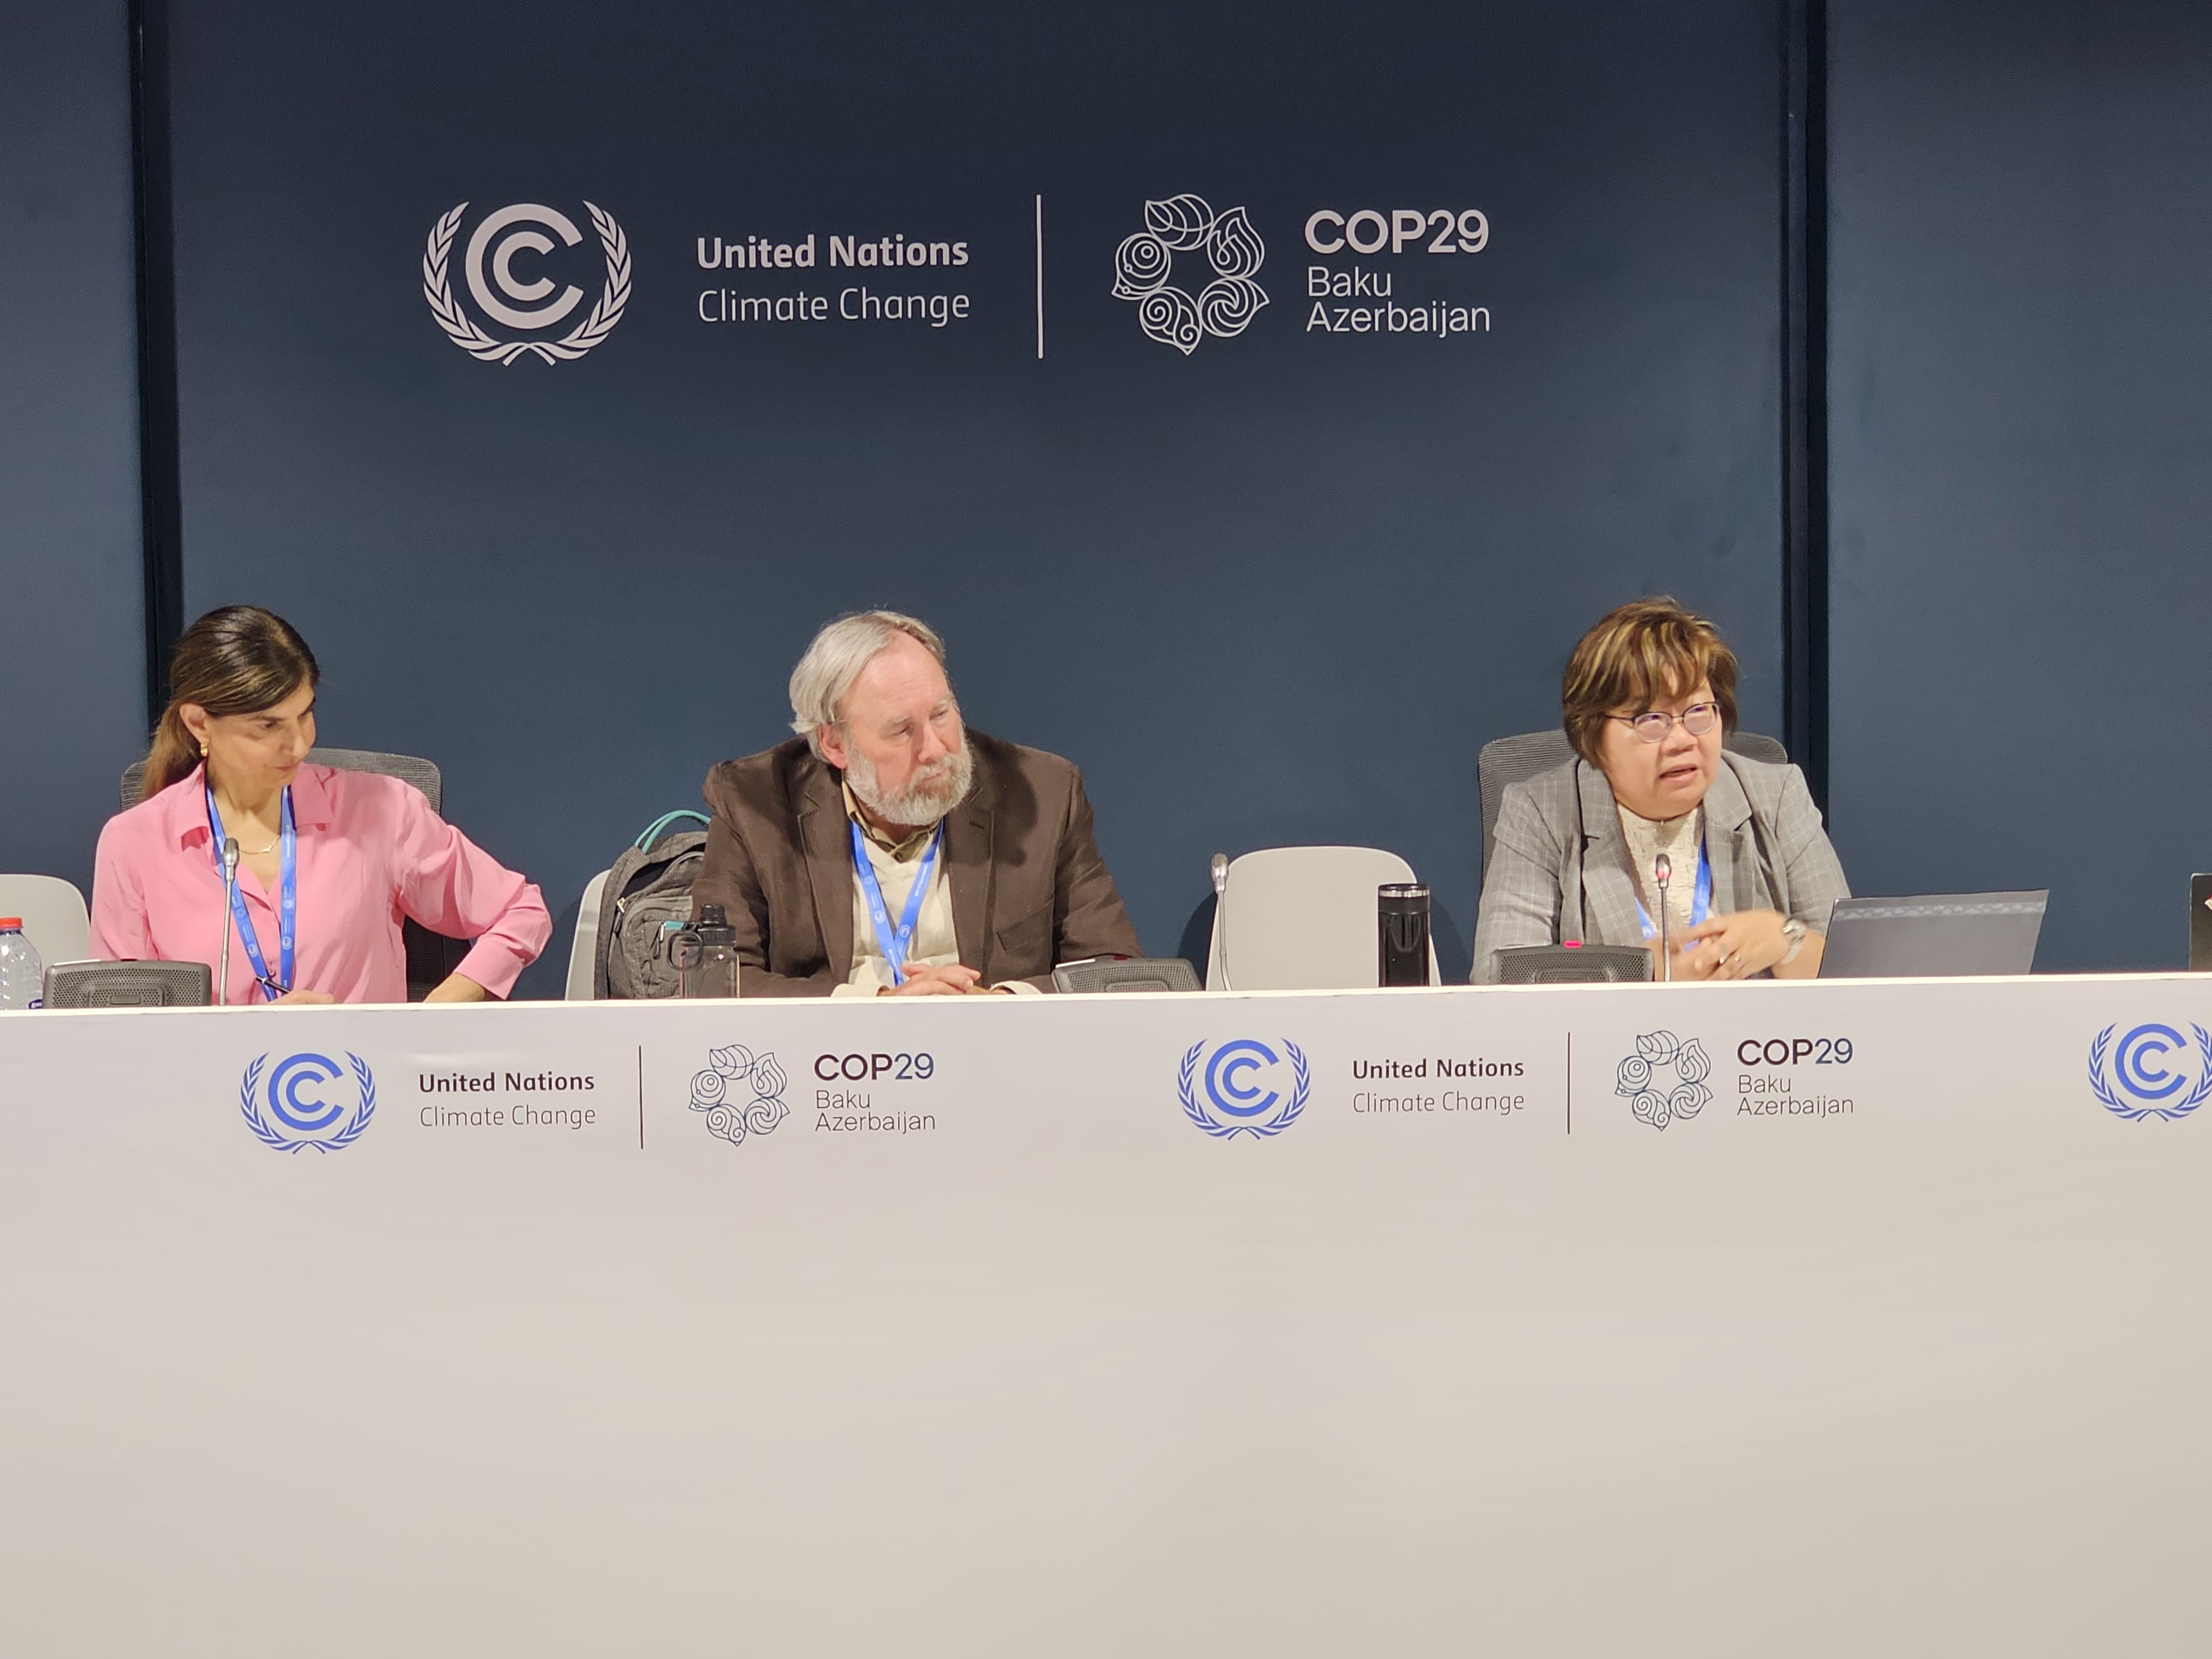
<point x="307" y="1100"/>
<point x="2146" y="1088"/>
<point x="1245" y="1087"/>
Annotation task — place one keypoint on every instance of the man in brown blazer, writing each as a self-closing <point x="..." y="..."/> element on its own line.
<point x="888" y="851"/>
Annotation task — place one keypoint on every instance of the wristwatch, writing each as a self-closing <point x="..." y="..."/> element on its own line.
<point x="1794" y="931"/>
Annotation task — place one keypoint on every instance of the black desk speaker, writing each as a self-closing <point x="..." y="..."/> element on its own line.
<point x="129" y="985"/>
<point x="1573" y="964"/>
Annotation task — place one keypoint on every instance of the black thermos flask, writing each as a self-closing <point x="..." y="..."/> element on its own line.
<point x="1401" y="929"/>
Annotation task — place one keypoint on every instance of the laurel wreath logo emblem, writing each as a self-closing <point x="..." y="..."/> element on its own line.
<point x="465" y="331"/>
<point x="1638" y="1079"/>
<point x="2148" y="1086"/>
<point x="287" y="1100"/>
<point x="1144" y="262"/>
<point x="733" y="1119"/>
<point x="1234" y="1106"/>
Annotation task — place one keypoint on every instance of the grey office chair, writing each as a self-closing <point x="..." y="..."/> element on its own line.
<point x="408" y="768"/>
<point x="1506" y="761"/>
<point x="431" y="957"/>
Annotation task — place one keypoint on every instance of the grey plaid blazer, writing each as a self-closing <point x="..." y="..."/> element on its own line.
<point x="1558" y="869"/>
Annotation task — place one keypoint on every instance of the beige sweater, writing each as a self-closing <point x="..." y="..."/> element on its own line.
<point x="1680" y="840"/>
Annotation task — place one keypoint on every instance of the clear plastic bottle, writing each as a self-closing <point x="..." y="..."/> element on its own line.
<point x="705" y="955"/>
<point x="23" y="977"/>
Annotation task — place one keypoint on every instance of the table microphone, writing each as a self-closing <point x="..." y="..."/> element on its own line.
<point x="229" y="908"/>
<point x="1663" y="869"/>
<point x="1220" y="873"/>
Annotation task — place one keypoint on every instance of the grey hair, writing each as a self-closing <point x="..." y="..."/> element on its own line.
<point x="835" y="659"/>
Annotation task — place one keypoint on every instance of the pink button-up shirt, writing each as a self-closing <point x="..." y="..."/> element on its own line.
<point x="371" y="852"/>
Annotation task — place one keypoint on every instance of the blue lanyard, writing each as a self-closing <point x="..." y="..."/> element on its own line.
<point x="288" y="902"/>
<point x="894" y="945"/>
<point x="1701" y="901"/>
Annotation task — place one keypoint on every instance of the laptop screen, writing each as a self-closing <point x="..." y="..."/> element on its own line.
<point x="1934" y="936"/>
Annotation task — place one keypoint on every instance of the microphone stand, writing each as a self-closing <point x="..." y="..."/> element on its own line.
<point x="1663" y="870"/>
<point x="1220" y="872"/>
<point x="229" y="910"/>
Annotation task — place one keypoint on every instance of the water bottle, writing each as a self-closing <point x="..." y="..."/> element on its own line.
<point x="705" y="955"/>
<point x="1401" y="925"/>
<point x="21" y="974"/>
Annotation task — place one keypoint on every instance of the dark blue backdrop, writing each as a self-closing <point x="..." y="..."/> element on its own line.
<point x="1278" y="591"/>
<point x="71" y="625"/>
<point x="2020" y="427"/>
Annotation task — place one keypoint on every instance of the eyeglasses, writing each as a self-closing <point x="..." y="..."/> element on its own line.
<point x="1654" y="724"/>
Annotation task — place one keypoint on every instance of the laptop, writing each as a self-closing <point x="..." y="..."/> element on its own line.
<point x="1935" y="936"/>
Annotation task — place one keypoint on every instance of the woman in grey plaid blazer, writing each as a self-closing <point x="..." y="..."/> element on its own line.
<point x="1647" y="697"/>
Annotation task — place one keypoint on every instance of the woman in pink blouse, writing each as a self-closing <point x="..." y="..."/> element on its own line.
<point x="330" y="862"/>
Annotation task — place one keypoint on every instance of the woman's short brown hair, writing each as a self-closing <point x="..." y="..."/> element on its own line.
<point x="1636" y="653"/>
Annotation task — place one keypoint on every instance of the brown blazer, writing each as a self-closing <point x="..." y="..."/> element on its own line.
<point x="1029" y="888"/>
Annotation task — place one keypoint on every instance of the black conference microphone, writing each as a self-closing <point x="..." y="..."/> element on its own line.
<point x="230" y="907"/>
<point x="1663" y="869"/>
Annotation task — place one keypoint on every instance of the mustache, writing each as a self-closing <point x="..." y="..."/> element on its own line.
<point x="928" y="794"/>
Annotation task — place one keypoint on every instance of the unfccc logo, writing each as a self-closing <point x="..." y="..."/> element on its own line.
<point x="306" y="1102"/>
<point x="2146" y="1088"/>
<point x="1245" y="1089"/>
<point x="515" y="299"/>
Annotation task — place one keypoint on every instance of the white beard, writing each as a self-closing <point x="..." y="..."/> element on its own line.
<point x="928" y="797"/>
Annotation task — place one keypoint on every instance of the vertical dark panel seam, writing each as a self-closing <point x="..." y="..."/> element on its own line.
<point x="158" y="483"/>
<point x="1805" y="390"/>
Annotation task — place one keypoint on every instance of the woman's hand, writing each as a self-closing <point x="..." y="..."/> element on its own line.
<point x="1732" y="947"/>
<point x="302" y="998"/>
<point x="457" y="988"/>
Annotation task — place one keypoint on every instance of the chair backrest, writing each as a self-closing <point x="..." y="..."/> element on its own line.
<point x="55" y="920"/>
<point x="129" y="985"/>
<point x="1506" y="761"/>
<point x="583" y="949"/>
<point x="408" y="768"/>
<point x="1302" y="919"/>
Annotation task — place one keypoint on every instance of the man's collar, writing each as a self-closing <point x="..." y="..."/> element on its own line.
<point x="903" y="851"/>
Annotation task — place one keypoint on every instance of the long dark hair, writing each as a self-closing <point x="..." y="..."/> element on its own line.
<point x="238" y="660"/>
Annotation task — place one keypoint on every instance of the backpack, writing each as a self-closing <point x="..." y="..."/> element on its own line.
<point x="648" y="895"/>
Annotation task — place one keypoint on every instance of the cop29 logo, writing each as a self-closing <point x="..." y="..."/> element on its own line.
<point x="730" y="1114"/>
<point x="522" y="301"/>
<point x="2146" y="1088"/>
<point x="1652" y="1097"/>
<point x="307" y="1100"/>
<point x="1145" y="266"/>
<point x="1245" y="1088"/>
